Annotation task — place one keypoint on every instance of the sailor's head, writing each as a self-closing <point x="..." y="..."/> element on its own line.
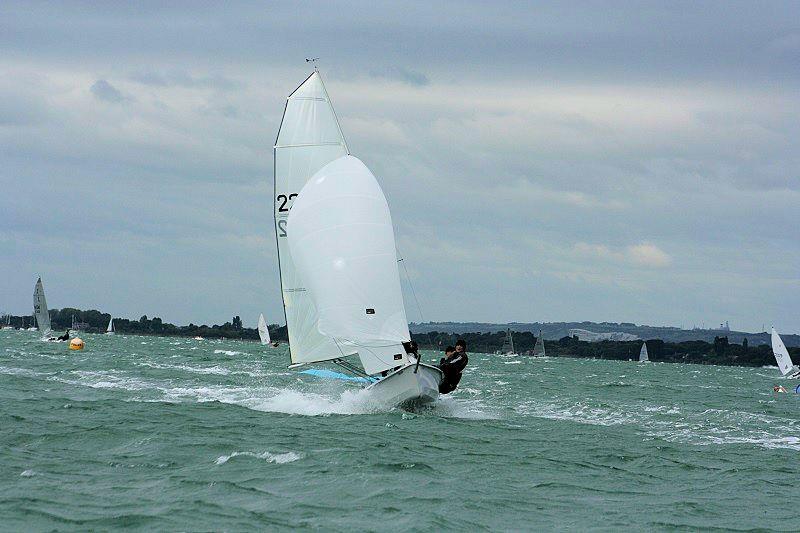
<point x="461" y="346"/>
<point x="449" y="350"/>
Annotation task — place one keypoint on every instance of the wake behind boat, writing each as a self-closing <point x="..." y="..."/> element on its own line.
<point x="336" y="252"/>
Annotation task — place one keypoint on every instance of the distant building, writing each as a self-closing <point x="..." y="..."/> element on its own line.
<point x="591" y="336"/>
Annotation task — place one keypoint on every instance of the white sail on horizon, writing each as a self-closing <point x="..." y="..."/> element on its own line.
<point x="538" y="348"/>
<point x="643" y="355"/>
<point x="309" y="138"/>
<point x="110" y="328"/>
<point x="40" y="309"/>
<point x="781" y="354"/>
<point x="263" y="330"/>
<point x="341" y="239"/>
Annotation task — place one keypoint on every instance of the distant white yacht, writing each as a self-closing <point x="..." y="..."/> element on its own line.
<point x="263" y="330"/>
<point x="538" y="348"/>
<point x="110" y="328"/>
<point x="782" y="357"/>
<point x="508" y="345"/>
<point x="40" y="309"/>
<point x="643" y="355"/>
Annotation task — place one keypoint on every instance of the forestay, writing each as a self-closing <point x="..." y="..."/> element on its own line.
<point x="308" y="139"/>
<point x="781" y="354"/>
<point x="342" y="242"/>
<point x="263" y="330"/>
<point x="40" y="309"/>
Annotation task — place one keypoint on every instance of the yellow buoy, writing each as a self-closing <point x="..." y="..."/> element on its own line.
<point x="76" y="344"/>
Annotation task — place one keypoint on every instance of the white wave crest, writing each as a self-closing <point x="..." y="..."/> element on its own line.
<point x="228" y="352"/>
<point x="277" y="458"/>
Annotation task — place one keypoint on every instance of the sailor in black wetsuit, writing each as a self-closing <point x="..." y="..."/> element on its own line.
<point x="64" y="337"/>
<point x="452" y="366"/>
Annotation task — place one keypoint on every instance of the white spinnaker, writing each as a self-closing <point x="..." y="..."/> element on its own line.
<point x="342" y="242"/>
<point x="40" y="309"/>
<point x="309" y="138"/>
<point x="263" y="330"/>
<point x="781" y="354"/>
<point x="643" y="355"/>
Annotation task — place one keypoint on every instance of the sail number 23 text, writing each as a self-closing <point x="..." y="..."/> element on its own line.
<point x="282" y="201"/>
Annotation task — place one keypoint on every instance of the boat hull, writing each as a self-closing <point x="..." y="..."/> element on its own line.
<point x="409" y="385"/>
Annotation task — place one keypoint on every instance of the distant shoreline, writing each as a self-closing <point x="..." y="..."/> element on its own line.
<point x="751" y="350"/>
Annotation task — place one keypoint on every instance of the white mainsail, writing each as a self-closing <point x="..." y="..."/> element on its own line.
<point x="643" y="356"/>
<point x="538" y="348"/>
<point x="110" y="328"/>
<point x="508" y="344"/>
<point x="40" y="309"/>
<point x="263" y="331"/>
<point x="309" y="138"/>
<point x="781" y="354"/>
<point x="342" y="243"/>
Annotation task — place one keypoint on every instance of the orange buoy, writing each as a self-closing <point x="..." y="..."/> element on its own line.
<point x="76" y="344"/>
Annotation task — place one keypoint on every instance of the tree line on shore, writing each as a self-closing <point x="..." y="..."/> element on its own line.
<point x="96" y="322"/>
<point x="720" y="352"/>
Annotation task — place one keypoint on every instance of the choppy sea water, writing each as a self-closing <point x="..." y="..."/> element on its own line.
<point x="167" y="433"/>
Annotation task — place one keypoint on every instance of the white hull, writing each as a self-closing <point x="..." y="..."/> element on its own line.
<point x="405" y="386"/>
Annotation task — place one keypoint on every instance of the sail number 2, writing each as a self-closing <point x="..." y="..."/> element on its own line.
<point x="284" y="199"/>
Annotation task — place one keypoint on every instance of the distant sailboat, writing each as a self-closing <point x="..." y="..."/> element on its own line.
<point x="40" y="309"/>
<point x="643" y="356"/>
<point x="263" y="331"/>
<point x="110" y="328"/>
<point x="33" y="323"/>
<point x="538" y="348"/>
<point x="782" y="357"/>
<point x="337" y="258"/>
<point x="508" y="345"/>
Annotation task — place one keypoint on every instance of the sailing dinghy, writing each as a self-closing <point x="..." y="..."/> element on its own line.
<point x="263" y="330"/>
<point x="538" y="348"/>
<point x="643" y="356"/>
<point x="339" y="277"/>
<point x="508" y="345"/>
<point x="40" y="310"/>
<point x="110" y="328"/>
<point x="782" y="357"/>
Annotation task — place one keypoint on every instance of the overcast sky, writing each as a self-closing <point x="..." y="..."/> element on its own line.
<point x="543" y="162"/>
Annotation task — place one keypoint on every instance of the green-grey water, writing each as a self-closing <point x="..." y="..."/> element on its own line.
<point x="179" y="434"/>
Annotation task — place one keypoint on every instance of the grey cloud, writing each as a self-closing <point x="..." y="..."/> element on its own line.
<point x="403" y="75"/>
<point x="664" y="138"/>
<point x="102" y="90"/>
<point x="177" y="78"/>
